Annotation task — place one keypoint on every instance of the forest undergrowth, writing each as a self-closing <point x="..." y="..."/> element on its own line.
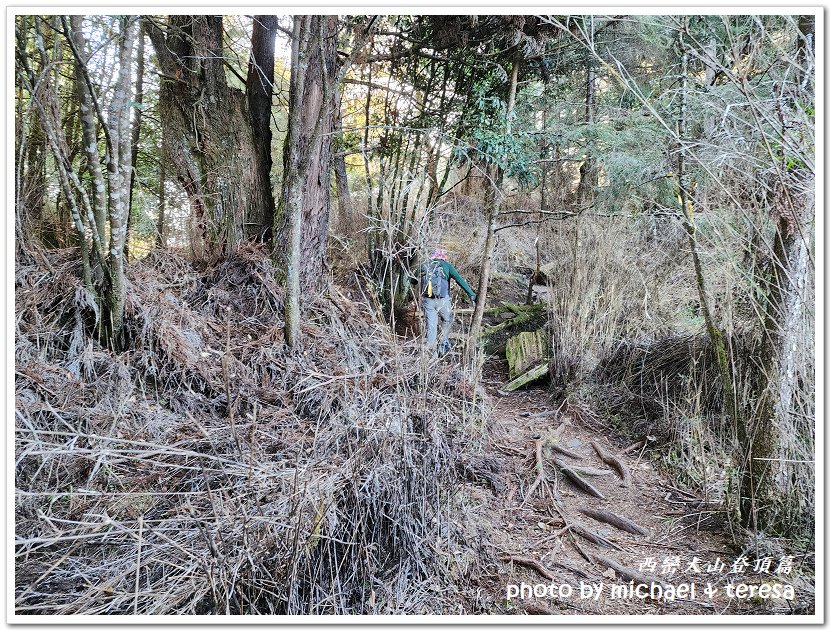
<point x="207" y="470"/>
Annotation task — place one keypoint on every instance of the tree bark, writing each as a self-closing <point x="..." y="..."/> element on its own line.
<point x="303" y="214"/>
<point x="588" y="174"/>
<point x="769" y="497"/>
<point x="90" y="133"/>
<point x="345" y="208"/>
<point x="259" y="87"/>
<point x="307" y="151"/>
<point x="161" y="227"/>
<point x="119" y="168"/>
<point x="31" y="179"/>
<point x="136" y="133"/>
<point x="292" y="194"/>
<point x="208" y="135"/>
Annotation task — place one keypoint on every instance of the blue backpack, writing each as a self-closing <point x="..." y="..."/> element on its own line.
<point x="434" y="283"/>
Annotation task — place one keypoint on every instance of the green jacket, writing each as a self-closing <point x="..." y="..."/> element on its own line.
<point x="452" y="273"/>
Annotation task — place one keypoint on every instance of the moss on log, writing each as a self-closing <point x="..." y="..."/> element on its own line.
<point x="534" y="374"/>
<point x="523" y="313"/>
<point x="524" y="351"/>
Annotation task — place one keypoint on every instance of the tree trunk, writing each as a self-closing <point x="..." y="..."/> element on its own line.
<point x="588" y="174"/>
<point x="683" y="187"/>
<point x="32" y="180"/>
<point x="259" y="87"/>
<point x="494" y="200"/>
<point x="90" y="133"/>
<point x="208" y="134"/>
<point x="304" y="203"/>
<point x="291" y="204"/>
<point x="119" y="168"/>
<point x="45" y="99"/>
<point x="770" y="500"/>
<point x="136" y="134"/>
<point x="161" y="227"/>
<point x="345" y="207"/>
<point x="307" y="152"/>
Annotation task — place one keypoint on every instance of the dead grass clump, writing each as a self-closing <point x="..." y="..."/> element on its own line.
<point x="207" y="470"/>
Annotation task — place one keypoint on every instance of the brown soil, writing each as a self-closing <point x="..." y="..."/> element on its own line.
<point x="540" y="526"/>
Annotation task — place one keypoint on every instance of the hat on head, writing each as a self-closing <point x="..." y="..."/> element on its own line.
<point x="439" y="253"/>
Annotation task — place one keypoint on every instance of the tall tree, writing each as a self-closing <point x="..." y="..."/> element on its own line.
<point x="588" y="171"/>
<point x="259" y="87"/>
<point x="108" y="205"/>
<point x="766" y="486"/>
<point x="495" y="195"/>
<point x="136" y="132"/>
<point x="304" y="207"/>
<point x="209" y="133"/>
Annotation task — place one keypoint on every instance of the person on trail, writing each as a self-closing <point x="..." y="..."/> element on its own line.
<point x="435" y="298"/>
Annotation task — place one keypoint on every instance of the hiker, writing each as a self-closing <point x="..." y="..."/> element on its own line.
<point x="435" y="297"/>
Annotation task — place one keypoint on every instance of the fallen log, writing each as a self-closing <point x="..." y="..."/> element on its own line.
<point x="616" y="520"/>
<point x="525" y="351"/>
<point x="528" y="377"/>
<point x="522" y="313"/>
<point x="578" y="481"/>
<point x="615" y="463"/>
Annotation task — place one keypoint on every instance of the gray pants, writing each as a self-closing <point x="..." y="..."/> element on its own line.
<point x="433" y="309"/>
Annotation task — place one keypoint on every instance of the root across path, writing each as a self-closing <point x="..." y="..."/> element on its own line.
<point x="586" y="542"/>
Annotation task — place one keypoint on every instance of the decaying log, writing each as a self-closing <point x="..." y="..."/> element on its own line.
<point x="578" y="481"/>
<point x="616" y="520"/>
<point x="615" y="463"/>
<point x="524" y="351"/>
<point x="533" y="374"/>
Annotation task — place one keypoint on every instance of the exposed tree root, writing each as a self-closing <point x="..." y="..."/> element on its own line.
<point x="578" y="481"/>
<point x="627" y="575"/>
<point x="618" y="521"/>
<point x="594" y="537"/>
<point x="615" y="463"/>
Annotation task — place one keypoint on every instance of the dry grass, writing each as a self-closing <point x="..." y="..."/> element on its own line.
<point x="208" y="471"/>
<point x="627" y="339"/>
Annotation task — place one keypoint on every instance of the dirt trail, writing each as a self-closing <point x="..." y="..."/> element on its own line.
<point x="684" y="535"/>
